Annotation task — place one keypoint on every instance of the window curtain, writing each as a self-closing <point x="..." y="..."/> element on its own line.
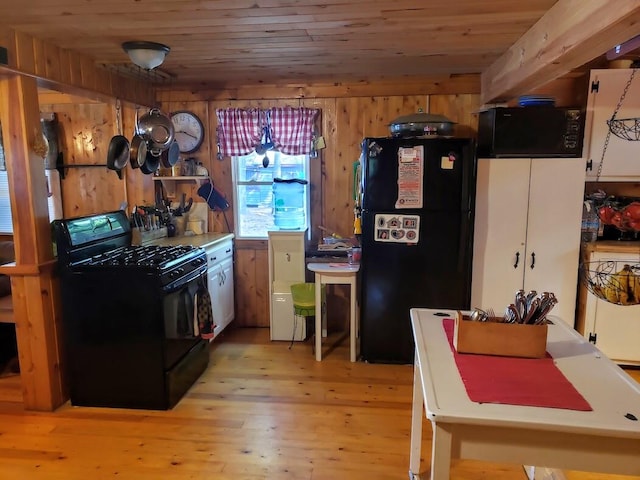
<point x="292" y="129"/>
<point x="239" y="130"/>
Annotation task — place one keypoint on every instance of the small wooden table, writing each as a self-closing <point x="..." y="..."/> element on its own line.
<point x="602" y="440"/>
<point x="340" y="274"/>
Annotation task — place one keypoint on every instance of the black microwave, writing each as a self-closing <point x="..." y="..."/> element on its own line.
<point x="535" y="131"/>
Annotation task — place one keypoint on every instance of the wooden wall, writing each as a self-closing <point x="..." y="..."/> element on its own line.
<point x="85" y="130"/>
<point x="348" y="114"/>
<point x="345" y="121"/>
<point x="87" y="127"/>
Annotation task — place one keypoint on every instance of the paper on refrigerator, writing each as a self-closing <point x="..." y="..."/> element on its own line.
<point x="410" y="172"/>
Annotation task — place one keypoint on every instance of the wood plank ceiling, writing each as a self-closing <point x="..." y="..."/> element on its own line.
<point x="516" y="46"/>
<point x="230" y="42"/>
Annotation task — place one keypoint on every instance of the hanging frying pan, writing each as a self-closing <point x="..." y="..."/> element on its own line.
<point x="118" y="153"/>
<point x="151" y="163"/>
<point x="138" y="151"/>
<point x="119" y="149"/>
<point x="171" y="155"/>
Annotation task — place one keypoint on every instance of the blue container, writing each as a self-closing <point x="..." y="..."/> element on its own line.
<point x="288" y="203"/>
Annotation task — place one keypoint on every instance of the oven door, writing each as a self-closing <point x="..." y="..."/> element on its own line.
<point x="180" y="320"/>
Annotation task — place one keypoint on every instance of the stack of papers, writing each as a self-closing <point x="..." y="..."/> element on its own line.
<point x="334" y="246"/>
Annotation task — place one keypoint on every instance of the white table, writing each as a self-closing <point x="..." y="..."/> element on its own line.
<point x="340" y="274"/>
<point x="602" y="440"/>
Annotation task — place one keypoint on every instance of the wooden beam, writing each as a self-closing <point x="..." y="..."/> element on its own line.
<point x="429" y="85"/>
<point x="570" y="34"/>
<point x="70" y="72"/>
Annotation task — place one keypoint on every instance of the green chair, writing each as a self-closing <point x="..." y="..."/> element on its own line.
<point x="303" y="297"/>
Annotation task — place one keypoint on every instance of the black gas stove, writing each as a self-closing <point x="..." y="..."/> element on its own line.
<point x="131" y="334"/>
<point x="169" y="263"/>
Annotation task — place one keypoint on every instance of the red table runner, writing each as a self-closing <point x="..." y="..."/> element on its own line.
<point x="535" y="382"/>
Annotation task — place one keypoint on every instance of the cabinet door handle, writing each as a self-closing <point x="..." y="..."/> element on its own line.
<point x="515" y="265"/>
<point x="533" y="260"/>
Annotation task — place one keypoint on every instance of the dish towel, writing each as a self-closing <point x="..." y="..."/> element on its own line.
<point x="535" y="382"/>
<point x="204" y="312"/>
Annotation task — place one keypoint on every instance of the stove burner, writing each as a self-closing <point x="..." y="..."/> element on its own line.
<point x="141" y="256"/>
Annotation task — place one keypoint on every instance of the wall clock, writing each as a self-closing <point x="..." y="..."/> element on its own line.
<point x="189" y="131"/>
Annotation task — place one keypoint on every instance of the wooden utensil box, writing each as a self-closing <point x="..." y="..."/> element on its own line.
<point x="503" y="339"/>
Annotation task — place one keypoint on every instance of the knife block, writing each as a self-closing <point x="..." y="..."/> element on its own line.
<point x="502" y="339"/>
<point x="142" y="237"/>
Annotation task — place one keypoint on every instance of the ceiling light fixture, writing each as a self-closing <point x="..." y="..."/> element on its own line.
<point x="147" y="55"/>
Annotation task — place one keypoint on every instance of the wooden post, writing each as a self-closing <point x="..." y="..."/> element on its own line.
<point x="33" y="282"/>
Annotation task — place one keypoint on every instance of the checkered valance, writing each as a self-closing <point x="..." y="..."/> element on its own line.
<point x="239" y="130"/>
<point x="290" y="129"/>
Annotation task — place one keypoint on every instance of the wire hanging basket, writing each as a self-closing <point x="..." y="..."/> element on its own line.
<point x="613" y="281"/>
<point x="625" y="128"/>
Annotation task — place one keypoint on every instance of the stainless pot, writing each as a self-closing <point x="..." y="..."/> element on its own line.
<point x="419" y="124"/>
<point x="157" y="129"/>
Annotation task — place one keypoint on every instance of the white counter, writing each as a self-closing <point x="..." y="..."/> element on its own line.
<point x="204" y="240"/>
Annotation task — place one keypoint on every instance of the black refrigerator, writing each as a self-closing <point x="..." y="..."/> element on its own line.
<point x="417" y="197"/>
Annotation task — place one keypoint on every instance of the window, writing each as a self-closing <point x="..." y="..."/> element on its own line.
<point x="6" y="221"/>
<point x="253" y="196"/>
<point x="53" y="201"/>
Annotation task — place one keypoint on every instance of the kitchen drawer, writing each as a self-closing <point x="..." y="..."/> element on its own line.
<point x="219" y="252"/>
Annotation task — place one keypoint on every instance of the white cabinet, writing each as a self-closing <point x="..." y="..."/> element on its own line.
<point x="621" y="158"/>
<point x="614" y="329"/>
<point x="527" y="231"/>
<point x="286" y="267"/>
<point x="220" y="283"/>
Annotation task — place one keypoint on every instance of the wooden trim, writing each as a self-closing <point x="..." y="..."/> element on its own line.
<point x="569" y="35"/>
<point x="437" y="84"/>
<point x="12" y="268"/>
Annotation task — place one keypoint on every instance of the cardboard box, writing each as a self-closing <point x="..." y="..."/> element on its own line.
<point x="504" y="339"/>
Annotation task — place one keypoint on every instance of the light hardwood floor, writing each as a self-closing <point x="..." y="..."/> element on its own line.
<point x="261" y="411"/>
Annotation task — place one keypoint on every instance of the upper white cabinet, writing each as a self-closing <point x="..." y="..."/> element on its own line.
<point x="527" y="231"/>
<point x="622" y="157"/>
